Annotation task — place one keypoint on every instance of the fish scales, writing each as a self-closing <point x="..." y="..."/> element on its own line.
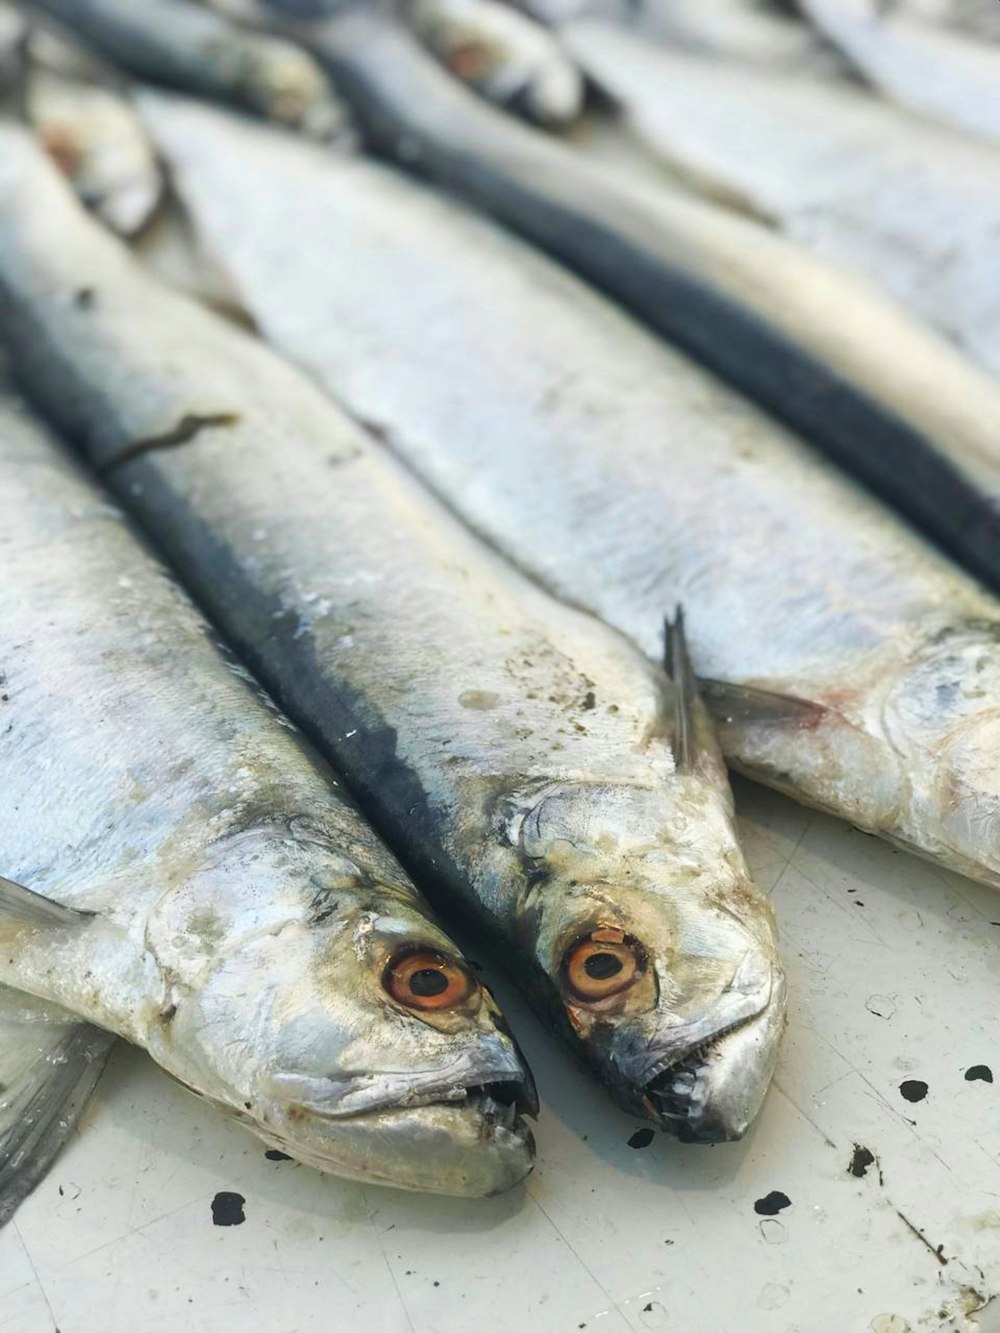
<point x="742" y="300"/>
<point x="242" y="912"/>
<point x="624" y="477"/>
<point x="518" y="752"/>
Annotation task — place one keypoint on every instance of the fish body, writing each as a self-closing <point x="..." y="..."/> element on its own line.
<point x="527" y="761"/>
<point x="181" y="44"/>
<point x="951" y="76"/>
<point x="93" y="135"/>
<point x="240" y="920"/>
<point x="977" y="18"/>
<point x="854" y="373"/>
<point x="732" y="30"/>
<point x="503" y="55"/>
<point x="906" y="203"/>
<point x="861" y="669"/>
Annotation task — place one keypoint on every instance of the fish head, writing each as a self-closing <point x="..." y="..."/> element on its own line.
<point x="662" y="953"/>
<point x="358" y="1040"/>
<point x="942" y="715"/>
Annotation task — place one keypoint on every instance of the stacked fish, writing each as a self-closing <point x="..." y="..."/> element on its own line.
<point x="519" y="534"/>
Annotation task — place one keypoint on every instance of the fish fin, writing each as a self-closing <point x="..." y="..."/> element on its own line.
<point x="34" y="908"/>
<point x="677" y="664"/>
<point x="748" y="704"/>
<point x="49" y="1065"/>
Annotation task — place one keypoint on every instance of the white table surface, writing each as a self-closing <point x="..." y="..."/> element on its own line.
<point x="894" y="975"/>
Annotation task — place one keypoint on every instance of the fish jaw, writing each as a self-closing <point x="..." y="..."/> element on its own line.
<point x="475" y="1147"/>
<point x="711" y="1092"/>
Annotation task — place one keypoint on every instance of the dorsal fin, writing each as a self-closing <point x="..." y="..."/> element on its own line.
<point x="677" y="665"/>
<point x="35" y="909"/>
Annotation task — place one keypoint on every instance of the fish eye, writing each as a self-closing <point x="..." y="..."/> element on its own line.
<point x="425" y="979"/>
<point x="602" y="963"/>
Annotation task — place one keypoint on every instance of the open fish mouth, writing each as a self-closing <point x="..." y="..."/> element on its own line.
<point x="678" y="1092"/>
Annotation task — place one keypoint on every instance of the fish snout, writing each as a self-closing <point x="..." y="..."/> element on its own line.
<point x="705" y="1079"/>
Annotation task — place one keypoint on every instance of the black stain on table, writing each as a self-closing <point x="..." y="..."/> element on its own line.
<point x="772" y="1203"/>
<point x="861" y="1160"/>
<point x="227" y="1209"/>
<point x="642" y="1138"/>
<point x="979" y="1073"/>
<point x="276" y="1155"/>
<point x="913" y="1089"/>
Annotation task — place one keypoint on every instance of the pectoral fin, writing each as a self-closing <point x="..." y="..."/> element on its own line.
<point x="35" y="909"/>
<point x="49" y="1065"/>
<point x="748" y="705"/>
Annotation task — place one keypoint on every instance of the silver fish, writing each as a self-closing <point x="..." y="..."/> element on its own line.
<point x="745" y="30"/>
<point x="743" y="300"/>
<point x="181" y="870"/>
<point x="979" y="18"/>
<point x="949" y="76"/>
<point x="528" y="762"/>
<point x="503" y="55"/>
<point x="909" y="204"/>
<point x="179" y="43"/>
<point x="861" y="670"/>
<point x="13" y="34"/>
<point x="93" y="134"/>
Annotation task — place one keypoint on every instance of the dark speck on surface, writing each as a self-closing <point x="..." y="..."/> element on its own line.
<point x="913" y="1089"/>
<point x="979" y="1073"/>
<point x="227" y="1209"/>
<point x="276" y="1155"/>
<point x="85" y="298"/>
<point x="862" y="1159"/>
<point x="648" y="1309"/>
<point x="642" y="1138"/>
<point x="772" y="1203"/>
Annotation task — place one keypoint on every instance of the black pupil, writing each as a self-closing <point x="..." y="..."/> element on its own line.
<point x="428" y="981"/>
<point x="601" y="966"/>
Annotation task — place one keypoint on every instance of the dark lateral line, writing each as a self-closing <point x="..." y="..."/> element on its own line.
<point x="186" y="429"/>
<point x="411" y="112"/>
<point x="923" y="1239"/>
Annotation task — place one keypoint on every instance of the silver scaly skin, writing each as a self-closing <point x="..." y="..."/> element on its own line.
<point x="910" y="204"/>
<point x="533" y="767"/>
<point x="250" y="931"/>
<point x="950" y="76"/>
<point x="865" y="667"/>
<point x="179" y="43"/>
<point x="501" y="54"/>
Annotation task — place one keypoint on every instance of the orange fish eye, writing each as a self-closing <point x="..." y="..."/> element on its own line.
<point x="425" y="979"/>
<point x="602" y="964"/>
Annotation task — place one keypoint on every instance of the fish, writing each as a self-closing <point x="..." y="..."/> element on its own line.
<point x="181" y="44"/>
<point x="182" y="871"/>
<point x="906" y="203"/>
<point x="533" y="770"/>
<point x="503" y="55"/>
<point x="759" y="311"/>
<point x="847" y="664"/>
<point x="980" y="18"/>
<point x="13" y="34"/>
<point x="949" y="76"/>
<point x="744" y="30"/>
<point x="88" y="127"/>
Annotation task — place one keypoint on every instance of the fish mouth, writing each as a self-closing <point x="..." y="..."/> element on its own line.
<point x="709" y="1087"/>
<point x="473" y="1143"/>
<point x="676" y="1092"/>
